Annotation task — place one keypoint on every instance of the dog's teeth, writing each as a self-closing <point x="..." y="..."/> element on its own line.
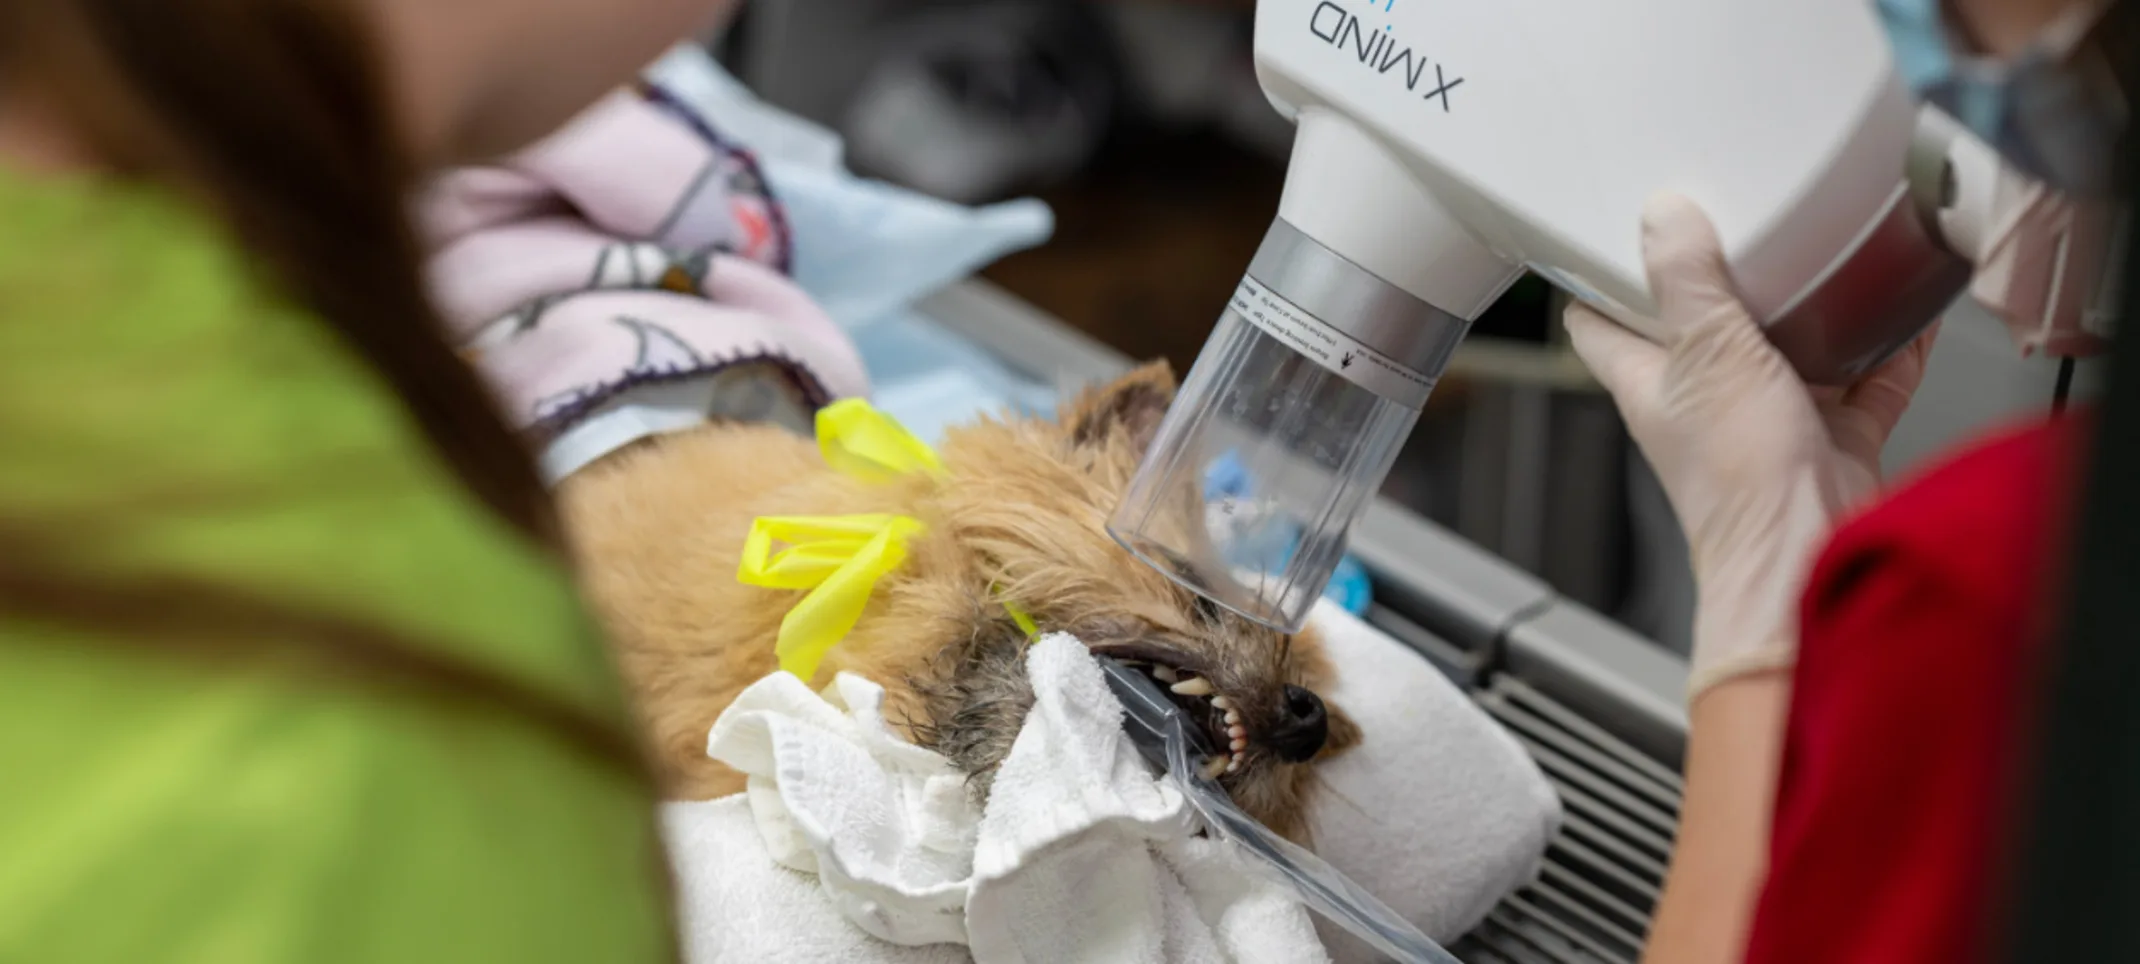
<point x="1233" y="765"/>
<point x="1222" y="702"/>
<point x="1197" y="686"/>
<point x="1233" y="718"/>
<point x="1239" y="744"/>
<point x="1237" y="732"/>
<point x="1216" y="765"/>
<point x="1164" y="674"/>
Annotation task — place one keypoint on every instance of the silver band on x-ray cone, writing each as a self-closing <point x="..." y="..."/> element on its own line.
<point x="1892" y="282"/>
<point x="1403" y="335"/>
<point x="1875" y="297"/>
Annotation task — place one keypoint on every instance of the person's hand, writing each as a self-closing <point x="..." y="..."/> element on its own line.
<point x="1758" y="466"/>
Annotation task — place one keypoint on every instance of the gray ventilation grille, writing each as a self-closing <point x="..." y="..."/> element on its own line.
<point x="1592" y="902"/>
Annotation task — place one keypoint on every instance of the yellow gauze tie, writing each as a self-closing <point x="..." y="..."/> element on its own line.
<point x="839" y="558"/>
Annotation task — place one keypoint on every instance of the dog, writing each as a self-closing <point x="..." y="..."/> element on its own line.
<point x="657" y="530"/>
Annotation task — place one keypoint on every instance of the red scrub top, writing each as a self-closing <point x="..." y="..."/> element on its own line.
<point x="1924" y="627"/>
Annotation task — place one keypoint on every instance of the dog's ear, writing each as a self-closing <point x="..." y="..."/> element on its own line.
<point x="1130" y="407"/>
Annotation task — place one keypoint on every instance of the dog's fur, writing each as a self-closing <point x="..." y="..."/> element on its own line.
<point x="658" y="530"/>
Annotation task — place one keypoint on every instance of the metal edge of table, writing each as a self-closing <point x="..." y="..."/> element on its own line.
<point x="1619" y="680"/>
<point x="1446" y="584"/>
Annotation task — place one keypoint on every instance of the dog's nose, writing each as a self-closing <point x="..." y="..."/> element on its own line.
<point x="1302" y="728"/>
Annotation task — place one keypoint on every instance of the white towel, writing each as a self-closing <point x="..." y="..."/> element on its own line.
<point x="1081" y="854"/>
<point x="739" y="907"/>
<point x="1085" y="855"/>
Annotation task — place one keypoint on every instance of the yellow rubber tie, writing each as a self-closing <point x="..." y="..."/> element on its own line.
<point x="838" y="558"/>
<point x="1023" y="619"/>
<point x="859" y="441"/>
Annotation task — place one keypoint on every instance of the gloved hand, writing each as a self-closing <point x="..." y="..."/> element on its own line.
<point x="1757" y="465"/>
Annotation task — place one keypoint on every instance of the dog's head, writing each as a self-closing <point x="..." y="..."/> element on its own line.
<point x="1023" y="518"/>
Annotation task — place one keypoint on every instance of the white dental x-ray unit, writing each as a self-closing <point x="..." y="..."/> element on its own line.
<point x="1445" y="148"/>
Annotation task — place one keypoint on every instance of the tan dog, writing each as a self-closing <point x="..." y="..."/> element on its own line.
<point x="659" y="530"/>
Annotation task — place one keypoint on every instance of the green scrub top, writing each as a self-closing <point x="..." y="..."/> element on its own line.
<point x="273" y="687"/>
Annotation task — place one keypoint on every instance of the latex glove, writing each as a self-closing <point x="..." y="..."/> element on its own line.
<point x="1757" y="465"/>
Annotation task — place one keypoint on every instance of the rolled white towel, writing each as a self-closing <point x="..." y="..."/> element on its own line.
<point x="1438" y="811"/>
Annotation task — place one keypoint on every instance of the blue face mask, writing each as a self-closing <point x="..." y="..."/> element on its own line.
<point x="2052" y="111"/>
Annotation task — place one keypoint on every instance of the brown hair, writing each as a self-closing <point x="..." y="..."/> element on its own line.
<point x="273" y="113"/>
<point x="276" y="113"/>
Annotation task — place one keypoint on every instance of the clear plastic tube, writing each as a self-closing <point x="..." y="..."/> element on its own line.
<point x="1169" y="740"/>
<point x="1308" y="446"/>
<point x="1312" y="378"/>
